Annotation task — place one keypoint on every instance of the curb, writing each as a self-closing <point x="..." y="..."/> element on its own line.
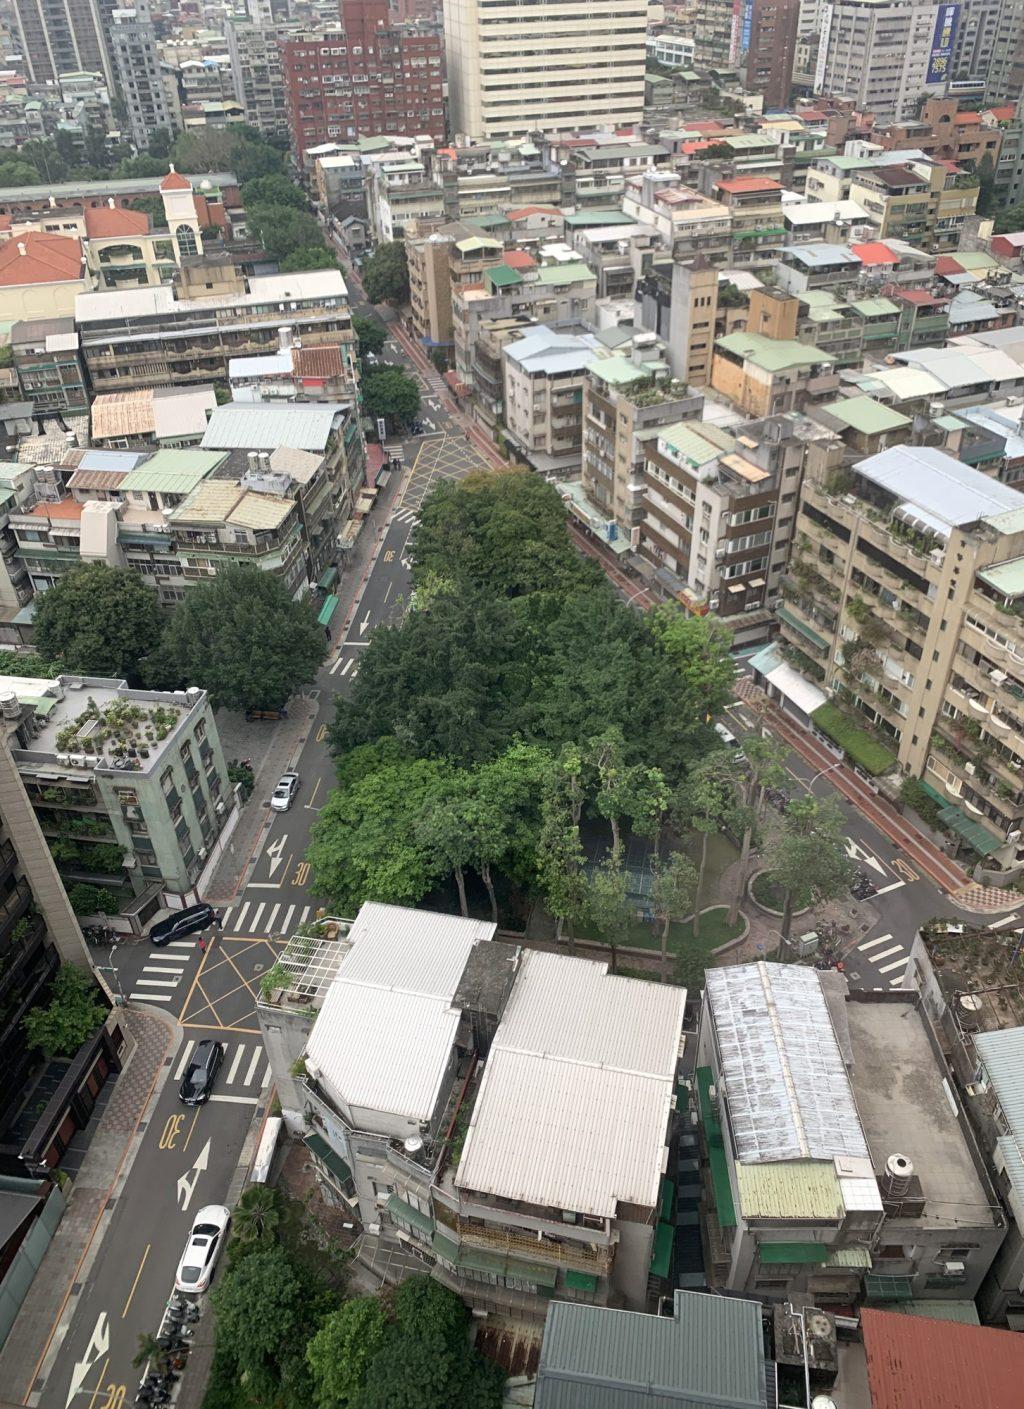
<point x="765" y="909"/>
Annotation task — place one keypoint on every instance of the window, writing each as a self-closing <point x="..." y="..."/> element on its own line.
<point x="187" y="243"/>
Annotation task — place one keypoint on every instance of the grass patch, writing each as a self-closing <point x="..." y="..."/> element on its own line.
<point x="767" y="893"/>
<point x="860" y="746"/>
<point x="714" y="931"/>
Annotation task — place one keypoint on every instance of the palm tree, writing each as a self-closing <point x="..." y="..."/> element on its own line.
<point x="257" y="1215"/>
<point x="150" y="1350"/>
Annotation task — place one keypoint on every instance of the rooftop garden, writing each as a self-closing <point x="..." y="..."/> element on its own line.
<point x="121" y="729"/>
<point x="860" y="747"/>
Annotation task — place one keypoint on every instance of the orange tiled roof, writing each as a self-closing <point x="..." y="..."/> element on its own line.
<point x="40" y="258"/>
<point x="105" y="221"/>
<point x="174" y="181"/>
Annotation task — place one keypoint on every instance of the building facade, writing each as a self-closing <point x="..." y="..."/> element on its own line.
<point x="61" y="37"/>
<point x="514" y="72"/>
<point x="882" y="55"/>
<point x="138" y="77"/>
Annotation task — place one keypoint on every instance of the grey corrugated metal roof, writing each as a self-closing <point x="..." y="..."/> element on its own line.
<point x="710" y="1355"/>
<point x="931" y="480"/>
<point x="1002" y="1056"/>
<point x="261" y="426"/>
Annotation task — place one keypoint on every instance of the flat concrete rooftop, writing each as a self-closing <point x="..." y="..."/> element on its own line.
<point x="897" y="1084"/>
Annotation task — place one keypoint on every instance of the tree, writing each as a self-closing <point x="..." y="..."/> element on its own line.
<point x="19" y="173"/>
<point x="282" y="230"/>
<point x="443" y="830"/>
<point x="625" y="790"/>
<point x="160" y="142"/>
<point x="609" y="908"/>
<point x="1007" y="222"/>
<point x="308" y="257"/>
<point x="808" y="852"/>
<point x="93" y="900"/>
<point x="697" y="647"/>
<point x="255" y="1218"/>
<point x="765" y="758"/>
<point x="99" y="620"/>
<point x="391" y="393"/>
<point x="673" y="892"/>
<point x="986" y="184"/>
<point x="261" y="1309"/>
<point x="150" y="1350"/>
<point x="341" y="1352"/>
<point x="560" y="858"/>
<point x="366" y="845"/>
<point x="706" y="804"/>
<point x="502" y="814"/>
<point x="386" y="274"/>
<point x="371" y="334"/>
<point x="273" y="190"/>
<point x="243" y="638"/>
<point x="72" y="1015"/>
<point x="152" y="206"/>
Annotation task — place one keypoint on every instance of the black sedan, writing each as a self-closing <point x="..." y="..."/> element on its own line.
<point x="197" y="1083"/>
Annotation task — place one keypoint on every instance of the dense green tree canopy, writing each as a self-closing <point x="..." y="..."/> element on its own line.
<point x="371" y="334"/>
<point x="242" y="637"/>
<point x="392" y="393"/>
<point x="262" y="1310"/>
<point x="342" y="1350"/>
<point x="74" y="1012"/>
<point x="99" y="620"/>
<point x="386" y="274"/>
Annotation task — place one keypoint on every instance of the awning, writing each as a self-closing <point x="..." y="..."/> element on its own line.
<point x="796" y="688"/>
<point x="934" y="793"/>
<point x="792" y="1252"/>
<point x="724" y="1206"/>
<point x="472" y="1259"/>
<point x="880" y="1286"/>
<point x="318" y="1146"/>
<point x="794" y="621"/>
<point x="850" y="1257"/>
<point x="328" y="609"/>
<point x="328" y="578"/>
<point x="973" y="833"/>
<point x="582" y="1281"/>
<point x="661" y="1257"/>
<point x="668" y="1199"/>
<point x="402" y="1212"/>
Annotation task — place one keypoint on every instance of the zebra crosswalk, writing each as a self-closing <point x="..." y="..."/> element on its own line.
<point x="265" y="917"/>
<point x="888" y="958"/>
<point x="245" y="1068"/>
<point x="406" y="516"/>
<point x="164" y="971"/>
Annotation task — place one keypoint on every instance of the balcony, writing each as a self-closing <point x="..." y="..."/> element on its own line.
<point x="503" y="1239"/>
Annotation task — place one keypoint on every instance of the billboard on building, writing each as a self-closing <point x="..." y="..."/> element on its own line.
<point x="946" y="22"/>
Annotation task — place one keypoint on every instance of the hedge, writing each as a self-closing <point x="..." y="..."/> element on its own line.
<point x="857" y="743"/>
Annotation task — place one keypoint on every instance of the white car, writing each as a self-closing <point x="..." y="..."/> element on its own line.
<point x="284" y="794"/>
<point x="208" y="1235"/>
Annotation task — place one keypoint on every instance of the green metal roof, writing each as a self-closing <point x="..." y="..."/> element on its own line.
<point x="791" y="619"/>
<point x="696" y="447"/>
<point x="724" y="1205"/>
<point x="864" y="414"/>
<point x="661" y="1254"/>
<point x="880" y="1286"/>
<point x="874" y="307"/>
<point x="582" y="1281"/>
<point x="318" y="1146"/>
<point x="328" y="609"/>
<point x="598" y="217"/>
<point x="564" y="274"/>
<point x="934" y="794"/>
<point x="402" y="1212"/>
<point x="964" y="1313"/>
<point x="1006" y="578"/>
<point x="850" y="1257"/>
<point x="668" y="1198"/>
<point x="616" y="371"/>
<point x="785" y="1189"/>
<point x="973" y="833"/>
<point x="502" y="277"/>
<point x="328" y="578"/>
<point x="771" y="354"/>
<point x="949" y="423"/>
<point x="172" y="471"/>
<point x="792" y="1252"/>
<point x="708" y="1355"/>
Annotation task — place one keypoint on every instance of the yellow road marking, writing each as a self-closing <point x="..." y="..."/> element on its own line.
<point x="313" y="795"/>
<point x="188" y="1137"/>
<point x="138" y="1274"/>
<point x="99" y="1382"/>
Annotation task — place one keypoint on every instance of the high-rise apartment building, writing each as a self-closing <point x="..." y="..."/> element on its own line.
<point x="990" y="46"/>
<point x="137" y="74"/>
<point x="255" y="54"/>
<point x="884" y="55"/>
<point x="546" y="67"/>
<point x="770" y="49"/>
<point x="370" y="78"/>
<point x="61" y="36"/>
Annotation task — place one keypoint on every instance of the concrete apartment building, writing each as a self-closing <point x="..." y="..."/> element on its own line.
<point x="514" y="72"/>
<point x="189" y="333"/>
<point x="718" y="516"/>
<point x="453" y="257"/>
<point x="483" y="1139"/>
<point x="58" y="37"/>
<point x="543" y="377"/>
<point x="922" y="202"/>
<point x="258" y="74"/>
<point x="129" y="787"/>
<point x="902" y="600"/>
<point x="135" y="56"/>
<point x="835" y="1165"/>
<point x="882" y="55"/>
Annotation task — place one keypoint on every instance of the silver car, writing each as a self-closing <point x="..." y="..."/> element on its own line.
<point x="284" y="794"/>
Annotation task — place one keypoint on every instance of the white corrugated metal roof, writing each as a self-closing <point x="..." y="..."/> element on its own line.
<point x="574" y="1104"/>
<point x="945" y="489"/>
<point x="384" y="1034"/>
<point x="264" y="425"/>
<point x="785" y="1079"/>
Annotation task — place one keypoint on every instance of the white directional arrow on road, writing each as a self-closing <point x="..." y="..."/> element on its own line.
<point x="857" y="853"/>
<point x="407" y="564"/>
<point x="364" y="624"/>
<point x="274" y="852"/>
<point x="99" y="1344"/>
<point x="187" y="1182"/>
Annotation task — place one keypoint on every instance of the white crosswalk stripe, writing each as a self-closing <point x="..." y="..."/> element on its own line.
<point x="183" y="1063"/>
<point x="245" y="1065"/>
<point x="182" y="944"/>
<point x="265" y="918"/>
<point x="887" y="954"/>
<point x="287" y="926"/>
<point x="239" y="919"/>
<point x="1006" y="920"/>
<point x="235" y="1060"/>
<point x="873" y="943"/>
<point x="888" y="968"/>
<point x="144" y="995"/>
<point x="158" y="982"/>
<point x="897" y="982"/>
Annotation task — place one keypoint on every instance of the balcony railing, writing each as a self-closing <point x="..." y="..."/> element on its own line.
<point x="501" y="1238"/>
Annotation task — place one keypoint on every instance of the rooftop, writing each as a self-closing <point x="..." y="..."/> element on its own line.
<point x="710" y="1352"/>
<point x="543" y="350"/>
<point x="916" y="1360"/>
<point x="159" y="301"/>
<point x="384" y="1034"/>
<point x="771" y="354"/>
<point x="785" y="1078"/>
<point x="747" y="185"/>
<point x="875" y="252"/>
<point x="548" y="1126"/>
<point x="959" y="368"/>
<point x="864" y="414"/>
<point x="949" y="493"/>
<point x="172" y="471"/>
<point x="898" y="1081"/>
<point x="266" y="426"/>
<point x="817" y="254"/>
<point x="163" y="412"/>
<point x="40" y="258"/>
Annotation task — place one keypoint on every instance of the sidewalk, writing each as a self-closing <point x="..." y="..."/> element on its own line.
<point x="31" y="1348"/>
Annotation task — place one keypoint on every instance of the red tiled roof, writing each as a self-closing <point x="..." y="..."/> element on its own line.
<point x="913" y="1360"/>
<point x="917" y="296"/>
<point x="707" y="127"/>
<point x="875" y="252"/>
<point x="967" y="119"/>
<point x="47" y="259"/>
<point x="1004" y="113"/>
<point x="745" y="185"/>
<point x="948" y="264"/>
<point x="174" y="181"/>
<point x="524" y="210"/>
<point x="105" y="221"/>
<point x="317" y="362"/>
<point x="518" y="259"/>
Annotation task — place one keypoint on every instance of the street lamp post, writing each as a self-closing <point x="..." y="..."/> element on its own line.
<point x="111" y="968"/>
<point x="821" y="773"/>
